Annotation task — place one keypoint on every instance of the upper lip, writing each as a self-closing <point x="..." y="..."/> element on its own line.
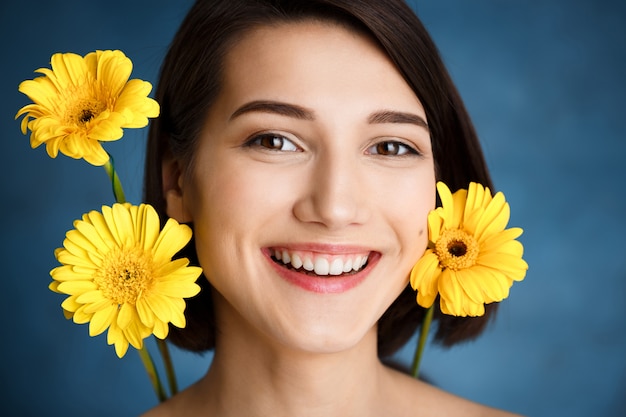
<point x="324" y="248"/>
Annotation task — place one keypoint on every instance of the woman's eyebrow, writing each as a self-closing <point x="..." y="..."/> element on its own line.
<point x="390" y="116"/>
<point x="276" y="107"/>
<point x="299" y="112"/>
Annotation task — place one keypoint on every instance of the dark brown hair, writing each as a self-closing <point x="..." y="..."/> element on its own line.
<point x="190" y="81"/>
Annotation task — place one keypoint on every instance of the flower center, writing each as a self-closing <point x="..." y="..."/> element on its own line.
<point x="125" y="275"/>
<point x="456" y="249"/>
<point x="83" y="103"/>
<point x="85" y="116"/>
<point x="82" y="111"/>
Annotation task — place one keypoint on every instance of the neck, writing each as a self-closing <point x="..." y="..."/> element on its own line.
<point x="251" y="375"/>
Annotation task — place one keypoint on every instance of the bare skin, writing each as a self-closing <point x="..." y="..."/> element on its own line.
<point x="340" y="180"/>
<point x="256" y="382"/>
<point x="409" y="397"/>
<point x="245" y="381"/>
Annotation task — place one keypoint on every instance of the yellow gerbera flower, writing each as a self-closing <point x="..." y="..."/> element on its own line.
<point x="472" y="260"/>
<point x="118" y="271"/>
<point x="81" y="102"/>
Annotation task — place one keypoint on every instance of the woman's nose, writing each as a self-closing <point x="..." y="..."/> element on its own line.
<point x="334" y="193"/>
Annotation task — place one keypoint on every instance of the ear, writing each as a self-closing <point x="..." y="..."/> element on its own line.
<point x="172" y="176"/>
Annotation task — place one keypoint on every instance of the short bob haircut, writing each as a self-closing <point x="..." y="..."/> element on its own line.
<point x="190" y="81"/>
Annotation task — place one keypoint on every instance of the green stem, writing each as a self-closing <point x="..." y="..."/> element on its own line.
<point x="118" y="191"/>
<point x="148" y="363"/>
<point x="169" y="366"/>
<point x="428" y="318"/>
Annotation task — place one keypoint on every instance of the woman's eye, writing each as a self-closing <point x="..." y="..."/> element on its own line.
<point x="273" y="142"/>
<point x="391" y="148"/>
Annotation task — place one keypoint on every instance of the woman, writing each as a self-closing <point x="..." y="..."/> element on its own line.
<point x="303" y="140"/>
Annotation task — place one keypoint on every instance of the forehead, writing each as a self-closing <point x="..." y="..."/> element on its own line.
<point x="288" y="38"/>
<point x="315" y="57"/>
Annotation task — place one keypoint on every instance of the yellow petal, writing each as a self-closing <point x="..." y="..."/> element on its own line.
<point x="70" y="69"/>
<point x="503" y="262"/>
<point x="89" y="297"/>
<point x="161" y="329"/>
<point x="76" y="287"/>
<point x="107" y="128"/>
<point x="435" y="224"/>
<point x="114" y="70"/>
<point x="70" y="304"/>
<point x="122" y="222"/>
<point x="150" y="227"/>
<point x="160" y="306"/>
<point x="470" y="281"/>
<point x="494" y="285"/>
<point x="99" y="305"/>
<point x="101" y="227"/>
<point x="53" y="287"/>
<point x="472" y="309"/>
<point x="138" y="107"/>
<point x="424" y="278"/>
<point x="39" y="90"/>
<point x="145" y="313"/>
<point x="116" y="336"/>
<point x="165" y="269"/>
<point x="134" y="333"/>
<point x="126" y="316"/>
<point x="172" y="239"/>
<point x="80" y="317"/>
<point x="457" y="209"/>
<point x="494" y="219"/>
<point x="177" y="289"/>
<point x="109" y="220"/>
<point x="65" y="257"/>
<point x="451" y="291"/>
<point x="67" y="273"/>
<point x="178" y="318"/>
<point x="77" y="244"/>
<point x="496" y="241"/>
<point x="101" y="320"/>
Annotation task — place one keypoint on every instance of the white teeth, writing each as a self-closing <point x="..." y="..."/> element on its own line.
<point x="307" y="264"/>
<point x="336" y="268"/>
<point x="357" y="263"/>
<point x="321" y="266"/>
<point x="296" y="262"/>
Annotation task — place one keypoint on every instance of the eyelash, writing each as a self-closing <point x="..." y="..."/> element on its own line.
<point x="401" y="149"/>
<point x="388" y="148"/>
<point x="277" y="139"/>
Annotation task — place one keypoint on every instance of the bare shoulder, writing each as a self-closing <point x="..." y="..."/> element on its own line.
<point x="174" y="407"/>
<point x="162" y="410"/>
<point x="423" y="399"/>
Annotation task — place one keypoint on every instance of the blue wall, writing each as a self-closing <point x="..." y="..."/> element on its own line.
<point x="544" y="81"/>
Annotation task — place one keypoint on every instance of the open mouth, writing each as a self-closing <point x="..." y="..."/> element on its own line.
<point x="316" y="264"/>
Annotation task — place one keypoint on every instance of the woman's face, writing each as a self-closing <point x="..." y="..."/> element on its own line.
<point x="310" y="187"/>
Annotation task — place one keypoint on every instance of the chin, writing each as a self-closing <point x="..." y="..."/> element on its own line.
<point x="329" y="339"/>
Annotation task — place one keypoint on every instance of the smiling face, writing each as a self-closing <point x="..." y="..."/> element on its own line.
<point x="310" y="187"/>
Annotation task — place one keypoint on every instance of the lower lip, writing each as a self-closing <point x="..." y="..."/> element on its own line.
<point x="329" y="284"/>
